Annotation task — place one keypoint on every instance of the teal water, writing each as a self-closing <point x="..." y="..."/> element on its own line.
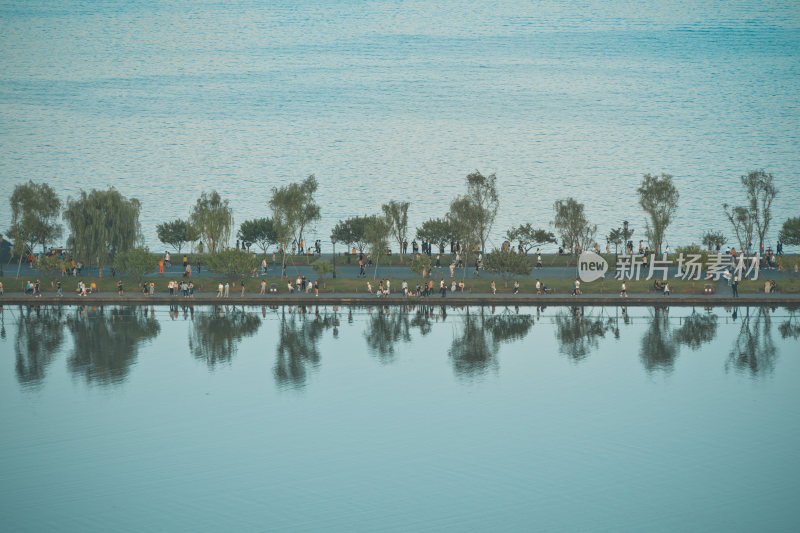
<point x="399" y="419"/>
<point x="400" y="100"/>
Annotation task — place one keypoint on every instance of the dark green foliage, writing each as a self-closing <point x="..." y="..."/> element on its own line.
<point x="259" y="231"/>
<point x="790" y="232"/>
<point x="102" y="224"/>
<point x="507" y="264"/>
<point x="232" y="263"/>
<point x="529" y="237"/>
<point x="659" y="199"/>
<point x="135" y="263"/>
<point x="177" y="233"/>
<point x="212" y="218"/>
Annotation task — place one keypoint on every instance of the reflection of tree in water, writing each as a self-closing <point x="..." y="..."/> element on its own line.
<point x="754" y="350"/>
<point x="384" y="329"/>
<point x="471" y="352"/>
<point x="474" y="351"/>
<point x="696" y="330"/>
<point x="658" y="350"/>
<point x="217" y="333"/>
<point x="298" y="345"/>
<point x="507" y="327"/>
<point x="40" y="333"/>
<point x="790" y="328"/>
<point x="422" y="319"/>
<point x="578" y="334"/>
<point x="106" y="343"/>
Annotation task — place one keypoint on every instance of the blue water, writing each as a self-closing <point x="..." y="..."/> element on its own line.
<point x="399" y="419"/>
<point x="400" y="100"/>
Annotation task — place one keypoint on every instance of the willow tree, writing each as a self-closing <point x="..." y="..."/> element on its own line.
<point x="102" y="224"/>
<point x="658" y="196"/>
<point x="34" y="213"/>
<point x="397" y="216"/>
<point x="463" y="215"/>
<point x="212" y="217"/>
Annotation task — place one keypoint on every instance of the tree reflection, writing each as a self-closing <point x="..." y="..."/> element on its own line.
<point x="790" y="327"/>
<point x="472" y="352"/>
<point x="697" y="330"/>
<point x="507" y="327"/>
<point x="216" y="334"/>
<point x="298" y="345"/>
<point x="106" y="343"/>
<point x="577" y="334"/>
<point x="384" y="329"/>
<point x="658" y="350"/>
<point x="40" y="333"/>
<point x="754" y="351"/>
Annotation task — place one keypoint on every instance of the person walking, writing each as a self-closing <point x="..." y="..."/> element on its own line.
<point x="263" y="287"/>
<point x="227" y="290"/>
<point x="538" y="260"/>
<point x="191" y="289"/>
<point x="442" y="288"/>
<point x="735" y="286"/>
<point x="2" y="290"/>
<point x="316" y="287"/>
<point x="516" y="287"/>
<point x="241" y="282"/>
<point x="666" y="289"/>
<point x="219" y="290"/>
<point x="623" y="290"/>
<point x="494" y="288"/>
<point x="152" y="288"/>
<point x="120" y="290"/>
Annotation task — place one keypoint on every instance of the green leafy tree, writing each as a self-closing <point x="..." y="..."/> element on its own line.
<point x="231" y="263"/>
<point x="34" y="214"/>
<point x="790" y="232"/>
<point x="529" y="237"/>
<point x="615" y="237"/>
<point x="51" y="264"/>
<point x="322" y="268"/>
<point x="463" y="214"/>
<point x="102" y="224"/>
<point x="293" y="210"/>
<point x="571" y="224"/>
<point x="213" y="218"/>
<point x="436" y="230"/>
<point x="177" y="233"/>
<point x="135" y="263"/>
<point x="421" y="265"/>
<point x="216" y="333"/>
<point x="741" y="218"/>
<point x="761" y="191"/>
<point x="713" y="240"/>
<point x="482" y="190"/>
<point x="352" y="232"/>
<point x="397" y="216"/>
<point x="377" y="239"/>
<point x="507" y="264"/>
<point x="260" y="231"/>
<point x="658" y="197"/>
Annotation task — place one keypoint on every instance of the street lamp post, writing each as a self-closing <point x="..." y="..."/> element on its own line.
<point x="333" y="242"/>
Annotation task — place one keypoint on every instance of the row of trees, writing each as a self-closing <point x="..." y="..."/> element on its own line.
<point x="105" y="224"/>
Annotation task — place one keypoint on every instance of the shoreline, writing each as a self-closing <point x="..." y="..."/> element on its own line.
<point x="394" y="300"/>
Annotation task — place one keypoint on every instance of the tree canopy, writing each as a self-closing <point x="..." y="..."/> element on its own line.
<point x="713" y="240"/>
<point x="135" y="262"/>
<point x="482" y="191"/>
<point x="790" y="232"/>
<point x="352" y="231"/>
<point x="176" y="233"/>
<point x="231" y="263"/>
<point x="377" y="238"/>
<point x="102" y="224"/>
<point x="760" y="190"/>
<point x="397" y="216"/>
<point x="741" y="218"/>
<point x="529" y="237"/>
<point x="658" y="197"/>
<point x="213" y="218"/>
<point x="293" y="210"/>
<point x="259" y="231"/>
<point x="436" y="230"/>
<point x="35" y="208"/>
<point x="572" y="225"/>
<point x="507" y="264"/>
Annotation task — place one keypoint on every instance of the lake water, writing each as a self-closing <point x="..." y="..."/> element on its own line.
<point x="399" y="419"/>
<point x="400" y="100"/>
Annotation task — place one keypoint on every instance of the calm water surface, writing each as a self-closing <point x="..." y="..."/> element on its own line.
<point x="401" y="419"/>
<point x="400" y="100"/>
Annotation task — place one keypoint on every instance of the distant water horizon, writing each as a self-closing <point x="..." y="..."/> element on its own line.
<point x="400" y="101"/>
